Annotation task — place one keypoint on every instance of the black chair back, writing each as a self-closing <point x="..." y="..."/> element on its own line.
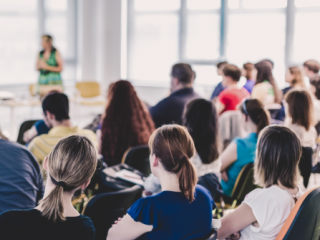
<point x="105" y="208"/>
<point x="138" y="158"/>
<point x="211" y="182"/>
<point x="25" y="126"/>
<point x="306" y="224"/>
<point x="211" y="236"/>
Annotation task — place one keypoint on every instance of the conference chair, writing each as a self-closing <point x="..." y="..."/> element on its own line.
<point x="25" y="126"/>
<point x="89" y="94"/>
<point x="304" y="219"/>
<point x="105" y="208"/>
<point x="305" y="164"/>
<point x="138" y="158"/>
<point x="211" y="236"/>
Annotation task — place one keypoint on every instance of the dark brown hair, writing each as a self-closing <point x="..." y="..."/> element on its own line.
<point x="222" y="64"/>
<point x="312" y="65"/>
<point x="265" y="73"/>
<point x="174" y="146"/>
<point x="298" y="76"/>
<point x="316" y="83"/>
<point x="255" y="110"/>
<point x="300" y="107"/>
<point x="278" y="154"/>
<point x="126" y="123"/>
<point x="232" y="71"/>
<point x="183" y="72"/>
<point x="201" y="119"/>
<point x="248" y="67"/>
<point x="71" y="163"/>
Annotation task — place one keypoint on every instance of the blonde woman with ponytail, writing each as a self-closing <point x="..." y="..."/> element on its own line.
<point x="183" y="210"/>
<point x="69" y="167"/>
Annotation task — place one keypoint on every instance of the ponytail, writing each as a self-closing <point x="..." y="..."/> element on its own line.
<point x="263" y="120"/>
<point x="52" y="205"/>
<point x="187" y="179"/>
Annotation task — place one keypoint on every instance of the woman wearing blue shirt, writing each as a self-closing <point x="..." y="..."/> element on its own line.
<point x="242" y="151"/>
<point x="182" y="210"/>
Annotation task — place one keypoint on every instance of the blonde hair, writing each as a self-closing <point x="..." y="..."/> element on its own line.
<point x="298" y="79"/>
<point x="174" y="146"/>
<point x="71" y="163"/>
<point x="47" y="38"/>
<point x="278" y="154"/>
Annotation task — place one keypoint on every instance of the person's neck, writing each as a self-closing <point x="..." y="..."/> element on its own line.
<point x="233" y="85"/>
<point x="169" y="182"/>
<point x="292" y="191"/>
<point x="180" y="86"/>
<point x="69" y="210"/>
<point x="63" y="123"/>
<point x="251" y="127"/>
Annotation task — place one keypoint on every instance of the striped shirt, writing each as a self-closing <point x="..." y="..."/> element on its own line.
<point x="42" y="145"/>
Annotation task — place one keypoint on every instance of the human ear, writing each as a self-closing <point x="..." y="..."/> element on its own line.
<point x="85" y="185"/>
<point x="155" y="160"/>
<point x="45" y="163"/>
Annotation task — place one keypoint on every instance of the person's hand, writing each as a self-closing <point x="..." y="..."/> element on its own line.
<point x="224" y="176"/>
<point x="234" y="236"/>
<point x="43" y="65"/>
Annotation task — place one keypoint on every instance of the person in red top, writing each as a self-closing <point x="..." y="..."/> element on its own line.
<point x="233" y="95"/>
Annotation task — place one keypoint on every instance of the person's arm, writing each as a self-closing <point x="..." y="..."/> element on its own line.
<point x="59" y="68"/>
<point x="30" y="134"/>
<point x="220" y="107"/>
<point x="127" y="229"/>
<point x="38" y="63"/>
<point x="228" y="156"/>
<point x="236" y="221"/>
<point x="98" y="133"/>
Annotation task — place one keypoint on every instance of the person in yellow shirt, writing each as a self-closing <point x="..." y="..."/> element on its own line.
<point x="55" y="108"/>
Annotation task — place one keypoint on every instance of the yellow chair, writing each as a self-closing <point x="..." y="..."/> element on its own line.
<point x="89" y="93"/>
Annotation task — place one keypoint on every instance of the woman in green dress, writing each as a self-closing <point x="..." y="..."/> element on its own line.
<point x="49" y="63"/>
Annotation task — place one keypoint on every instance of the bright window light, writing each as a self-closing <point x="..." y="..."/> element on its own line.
<point x="307" y="3"/>
<point x="203" y="4"/>
<point x="264" y="3"/>
<point x="156" y="5"/>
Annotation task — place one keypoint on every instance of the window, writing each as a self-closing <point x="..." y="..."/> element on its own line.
<point x="20" y="43"/>
<point x="162" y="33"/>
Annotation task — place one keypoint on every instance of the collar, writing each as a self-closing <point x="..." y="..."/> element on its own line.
<point x="183" y="92"/>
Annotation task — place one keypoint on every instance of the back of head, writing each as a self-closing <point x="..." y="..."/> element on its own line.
<point x="71" y="163"/>
<point x="221" y="65"/>
<point x="255" y="110"/>
<point x="269" y="62"/>
<point x="173" y="145"/>
<point x="264" y="73"/>
<point x="127" y="123"/>
<point x="278" y="155"/>
<point x="300" y="108"/>
<point x="315" y="82"/>
<point x="312" y="65"/>
<point x="183" y="72"/>
<point x="296" y="71"/>
<point x="200" y="117"/>
<point x="249" y="68"/>
<point x="232" y="71"/>
<point x="57" y="104"/>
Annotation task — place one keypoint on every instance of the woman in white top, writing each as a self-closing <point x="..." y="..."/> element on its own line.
<point x="264" y="211"/>
<point x="299" y="111"/>
<point x="201" y="119"/>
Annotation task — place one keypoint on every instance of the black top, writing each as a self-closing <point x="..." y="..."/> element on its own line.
<point x="170" y="109"/>
<point x="20" y="178"/>
<point x="285" y="90"/>
<point x="30" y="224"/>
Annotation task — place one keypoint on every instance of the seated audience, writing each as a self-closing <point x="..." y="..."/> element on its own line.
<point x="69" y="167"/>
<point x="55" y="108"/>
<point x="229" y="98"/>
<point x="37" y="129"/>
<point x="126" y="123"/>
<point x="182" y="210"/>
<point x="295" y="78"/>
<point x="250" y="74"/>
<point x="266" y="89"/>
<point x="170" y="109"/>
<point x="300" y="120"/>
<point x="219" y="88"/>
<point x="311" y="69"/>
<point x="200" y="117"/>
<point x="20" y="177"/>
<point x="264" y="211"/>
<point x="242" y="151"/>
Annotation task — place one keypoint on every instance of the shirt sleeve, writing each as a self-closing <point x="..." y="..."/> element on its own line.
<point x="142" y="211"/>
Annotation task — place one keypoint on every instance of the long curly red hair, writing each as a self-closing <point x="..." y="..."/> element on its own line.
<point x="126" y="122"/>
